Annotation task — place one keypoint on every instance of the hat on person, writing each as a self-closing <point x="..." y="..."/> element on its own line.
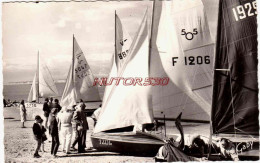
<point x="37" y="117"/>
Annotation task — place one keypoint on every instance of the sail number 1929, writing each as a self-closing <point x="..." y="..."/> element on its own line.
<point x="243" y="11"/>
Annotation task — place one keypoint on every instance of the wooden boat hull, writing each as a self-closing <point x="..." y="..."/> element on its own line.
<point x="89" y="112"/>
<point x="126" y="143"/>
<point x="247" y="147"/>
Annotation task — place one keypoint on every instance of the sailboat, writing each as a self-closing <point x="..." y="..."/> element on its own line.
<point x="79" y="82"/>
<point x="130" y="105"/>
<point x="122" y="45"/>
<point x="42" y="86"/>
<point x="182" y="49"/>
<point x="233" y="108"/>
<point x="235" y="91"/>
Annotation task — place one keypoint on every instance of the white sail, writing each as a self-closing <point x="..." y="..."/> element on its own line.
<point x="69" y="97"/>
<point x="123" y="43"/>
<point x="47" y="87"/>
<point x="79" y="84"/>
<point x="129" y="105"/>
<point x="112" y="74"/>
<point x="182" y="49"/>
<point x="44" y="81"/>
<point x="33" y="94"/>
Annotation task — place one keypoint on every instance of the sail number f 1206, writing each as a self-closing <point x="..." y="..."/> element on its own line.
<point x="246" y="10"/>
<point x="191" y="60"/>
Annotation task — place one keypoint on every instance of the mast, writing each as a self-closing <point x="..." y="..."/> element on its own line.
<point x="72" y="65"/>
<point x="214" y="72"/>
<point x="38" y="78"/>
<point x="115" y="35"/>
<point x="214" y="75"/>
<point x="150" y="43"/>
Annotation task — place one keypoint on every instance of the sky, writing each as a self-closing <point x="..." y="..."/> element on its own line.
<point x="49" y="27"/>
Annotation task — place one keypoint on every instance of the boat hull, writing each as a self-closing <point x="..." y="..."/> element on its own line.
<point x="247" y="147"/>
<point x="126" y="143"/>
<point x="33" y="105"/>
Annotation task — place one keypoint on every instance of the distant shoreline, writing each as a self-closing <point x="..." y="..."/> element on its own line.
<point x="57" y="81"/>
<point x="29" y="82"/>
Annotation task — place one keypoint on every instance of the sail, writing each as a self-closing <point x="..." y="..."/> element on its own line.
<point x="42" y="81"/>
<point x="113" y="73"/>
<point x="123" y="42"/>
<point x="235" y="91"/>
<point x="69" y="96"/>
<point x="47" y="87"/>
<point x="33" y="95"/>
<point x="182" y="49"/>
<point x="129" y="105"/>
<point x="79" y="84"/>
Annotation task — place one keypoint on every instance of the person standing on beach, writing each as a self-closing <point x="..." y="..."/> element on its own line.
<point x="38" y="133"/>
<point x="83" y="106"/>
<point x="46" y="111"/>
<point x="54" y="132"/>
<point x="22" y="113"/>
<point x="50" y="103"/>
<point x="74" y="130"/>
<point x="56" y="105"/>
<point x="82" y="126"/>
<point x="44" y="137"/>
<point x="51" y="106"/>
<point x="65" y="128"/>
<point x="5" y="103"/>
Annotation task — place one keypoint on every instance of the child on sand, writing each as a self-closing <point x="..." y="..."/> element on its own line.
<point x="22" y="113"/>
<point x="44" y="137"/>
<point x="38" y="132"/>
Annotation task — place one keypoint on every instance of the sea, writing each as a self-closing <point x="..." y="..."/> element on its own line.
<point x="18" y="92"/>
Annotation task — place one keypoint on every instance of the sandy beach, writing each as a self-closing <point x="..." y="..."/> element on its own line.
<point x="19" y="145"/>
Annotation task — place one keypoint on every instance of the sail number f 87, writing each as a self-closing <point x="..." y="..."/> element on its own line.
<point x="243" y="11"/>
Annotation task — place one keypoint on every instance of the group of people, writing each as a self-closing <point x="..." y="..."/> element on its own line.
<point x="64" y="122"/>
<point x="9" y="103"/>
<point x="61" y="123"/>
<point x="198" y="148"/>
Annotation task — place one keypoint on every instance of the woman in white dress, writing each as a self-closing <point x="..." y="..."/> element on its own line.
<point x="22" y="113"/>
